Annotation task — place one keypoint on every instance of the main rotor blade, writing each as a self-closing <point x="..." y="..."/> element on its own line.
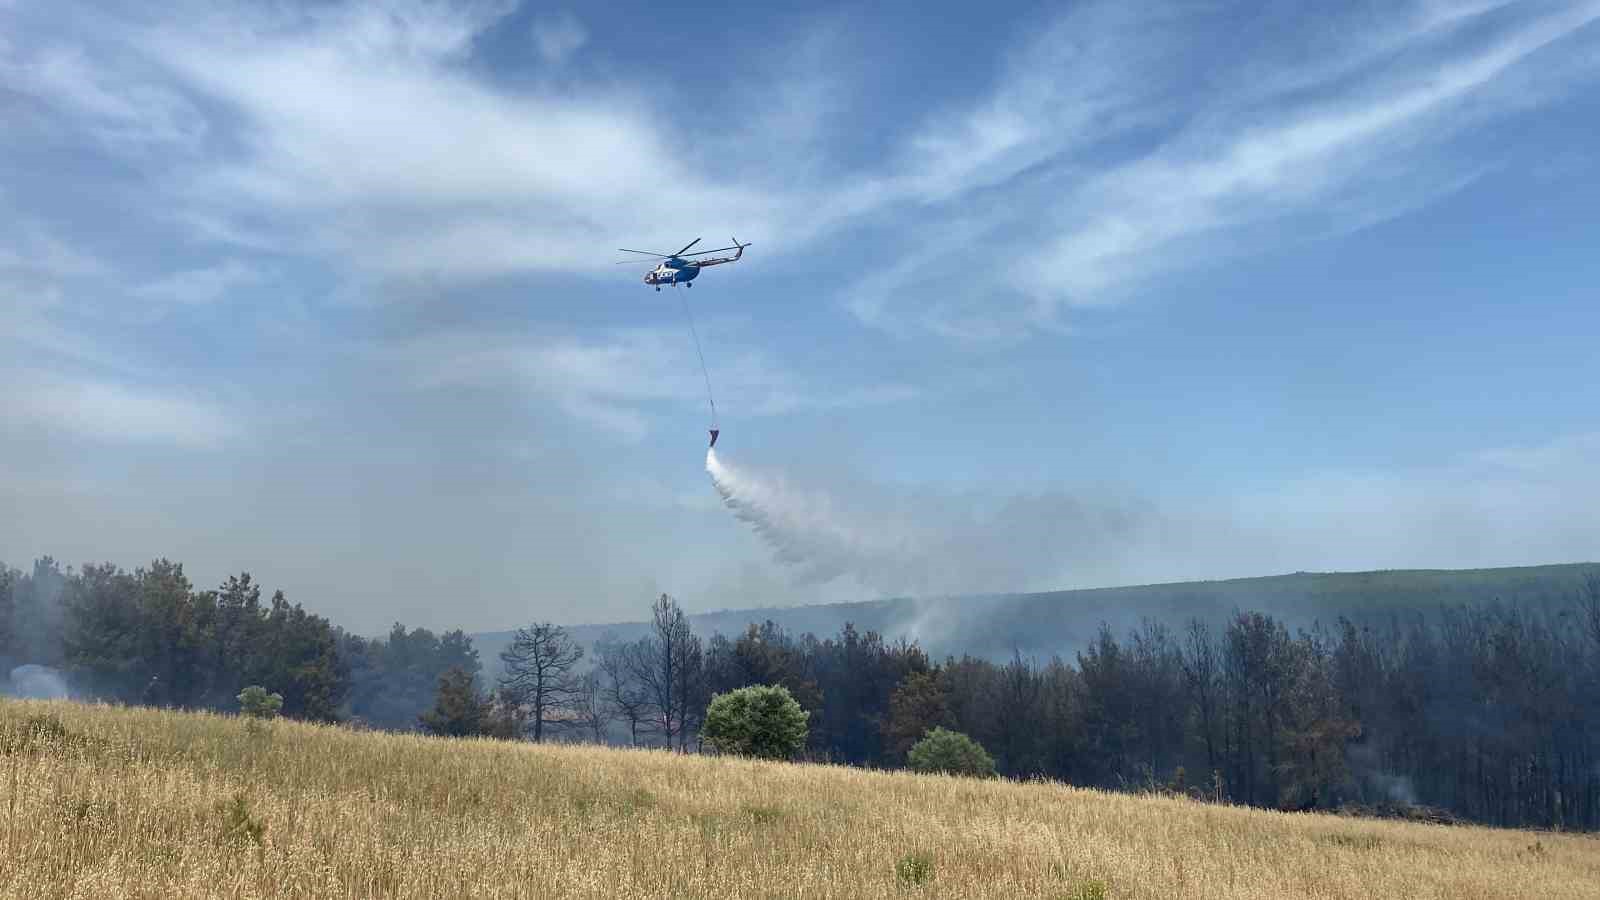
<point x="646" y="252"/>
<point x="704" y="252"/>
<point x="687" y="246"/>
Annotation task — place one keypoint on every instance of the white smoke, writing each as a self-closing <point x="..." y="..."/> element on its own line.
<point x="38" y="683"/>
<point x="1367" y="765"/>
<point x="918" y="543"/>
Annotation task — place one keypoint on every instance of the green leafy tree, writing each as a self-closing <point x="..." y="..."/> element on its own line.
<point x="767" y="655"/>
<point x="169" y="641"/>
<point x="255" y="702"/>
<point x="943" y="750"/>
<point x="301" y="657"/>
<point x="763" y="721"/>
<point x="458" y="709"/>
<point x="104" y="623"/>
<point x="235" y="637"/>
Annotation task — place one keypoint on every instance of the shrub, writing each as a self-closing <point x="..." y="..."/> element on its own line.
<point x="942" y="750"/>
<point x="26" y="736"/>
<point x="914" y="868"/>
<point x="255" y="702"/>
<point x="1094" y="889"/>
<point x="763" y="721"/>
<point x="237" y="823"/>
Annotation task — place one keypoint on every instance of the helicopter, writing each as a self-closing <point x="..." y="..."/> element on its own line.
<point x="676" y="269"/>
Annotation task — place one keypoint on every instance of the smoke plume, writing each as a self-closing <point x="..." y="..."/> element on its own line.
<point x="1366" y="766"/>
<point x="39" y="683"/>
<point x="916" y="542"/>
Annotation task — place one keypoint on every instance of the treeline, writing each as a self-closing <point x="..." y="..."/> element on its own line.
<point x="151" y="637"/>
<point x="1484" y="712"/>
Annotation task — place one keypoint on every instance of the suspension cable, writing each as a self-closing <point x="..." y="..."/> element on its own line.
<point x="683" y="298"/>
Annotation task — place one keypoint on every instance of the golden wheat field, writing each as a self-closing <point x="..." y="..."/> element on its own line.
<point x="111" y="802"/>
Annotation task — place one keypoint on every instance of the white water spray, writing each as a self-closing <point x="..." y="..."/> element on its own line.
<point x="917" y="543"/>
<point x="808" y="530"/>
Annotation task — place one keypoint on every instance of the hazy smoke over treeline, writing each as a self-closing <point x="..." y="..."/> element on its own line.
<point x="152" y="637"/>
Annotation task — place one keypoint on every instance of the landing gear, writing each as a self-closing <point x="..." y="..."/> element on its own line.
<point x="658" y="288"/>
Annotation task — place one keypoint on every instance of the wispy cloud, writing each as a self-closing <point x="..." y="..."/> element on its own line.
<point x="558" y="37"/>
<point x="1243" y="163"/>
<point x="327" y="116"/>
<point x="28" y="249"/>
<point x="109" y="411"/>
<point x="136" y="115"/>
<point x="1222" y="178"/>
<point x="200" y="286"/>
<point x="40" y="278"/>
<point x="1096" y="153"/>
<point x="1561" y="457"/>
<point x="364" y="138"/>
<point x="622" y="380"/>
<point x="1099" y="72"/>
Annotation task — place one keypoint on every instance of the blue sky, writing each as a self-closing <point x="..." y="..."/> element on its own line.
<point x="327" y="292"/>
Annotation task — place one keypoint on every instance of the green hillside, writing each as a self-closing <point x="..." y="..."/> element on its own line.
<point x="1041" y="624"/>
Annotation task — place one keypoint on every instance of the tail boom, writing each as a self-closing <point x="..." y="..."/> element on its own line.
<point x="719" y="260"/>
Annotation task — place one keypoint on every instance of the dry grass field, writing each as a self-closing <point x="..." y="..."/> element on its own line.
<point x="110" y="802"/>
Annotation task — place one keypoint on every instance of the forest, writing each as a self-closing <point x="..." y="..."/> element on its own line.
<point x="1479" y="711"/>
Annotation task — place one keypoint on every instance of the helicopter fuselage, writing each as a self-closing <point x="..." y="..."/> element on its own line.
<point x="673" y="271"/>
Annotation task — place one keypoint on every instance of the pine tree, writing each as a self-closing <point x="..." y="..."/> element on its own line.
<point x="459" y="710"/>
<point x="538" y="676"/>
<point x="917" y="706"/>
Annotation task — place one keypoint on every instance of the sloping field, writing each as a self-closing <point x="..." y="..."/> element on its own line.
<point x="110" y="802"/>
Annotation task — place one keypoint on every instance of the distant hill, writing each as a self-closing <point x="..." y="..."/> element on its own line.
<point x="1043" y="624"/>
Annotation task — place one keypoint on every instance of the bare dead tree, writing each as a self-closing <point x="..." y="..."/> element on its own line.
<point x="590" y="707"/>
<point x="1202" y="677"/>
<point x="691" y="688"/>
<point x="667" y="666"/>
<point x="538" y="675"/>
<point x="620" y="690"/>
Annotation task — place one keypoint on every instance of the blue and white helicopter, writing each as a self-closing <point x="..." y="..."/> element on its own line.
<point x="677" y="268"/>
